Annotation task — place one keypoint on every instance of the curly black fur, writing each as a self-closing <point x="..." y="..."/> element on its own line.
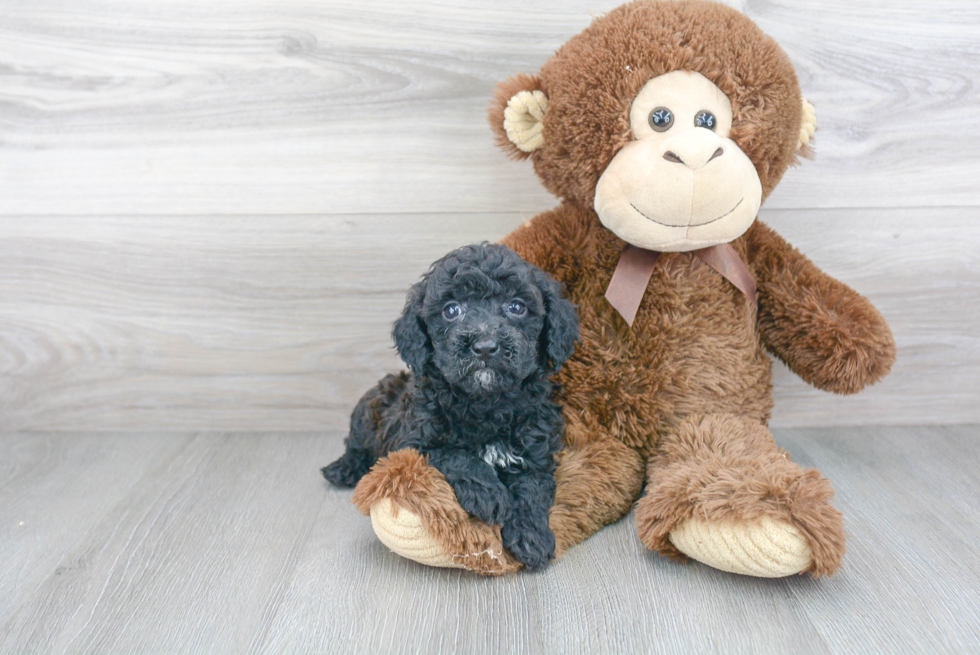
<point x="481" y="332"/>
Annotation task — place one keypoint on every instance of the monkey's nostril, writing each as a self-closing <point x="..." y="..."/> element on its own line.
<point x="670" y="155"/>
<point x="485" y="348"/>
<point x="718" y="153"/>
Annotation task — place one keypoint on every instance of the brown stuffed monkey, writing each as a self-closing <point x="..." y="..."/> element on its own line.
<point x="663" y="127"/>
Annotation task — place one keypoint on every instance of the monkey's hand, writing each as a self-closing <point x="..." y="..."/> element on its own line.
<point x="415" y="513"/>
<point x="827" y="333"/>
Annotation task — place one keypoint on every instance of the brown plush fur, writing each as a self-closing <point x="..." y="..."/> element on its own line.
<point x="582" y="506"/>
<point x="686" y="392"/>
<point x="826" y="333"/>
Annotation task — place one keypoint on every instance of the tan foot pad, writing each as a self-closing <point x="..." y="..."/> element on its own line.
<point x="764" y="549"/>
<point x="403" y="533"/>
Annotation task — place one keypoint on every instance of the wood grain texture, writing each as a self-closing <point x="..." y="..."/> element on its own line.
<point x="192" y="557"/>
<point x="378" y="106"/>
<point x="281" y="323"/>
<point x="37" y="476"/>
<point x="232" y="543"/>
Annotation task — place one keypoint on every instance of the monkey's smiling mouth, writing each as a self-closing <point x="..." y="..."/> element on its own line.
<point x="687" y="226"/>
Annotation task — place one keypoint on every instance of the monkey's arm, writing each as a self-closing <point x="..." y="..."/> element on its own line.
<point x="827" y="333"/>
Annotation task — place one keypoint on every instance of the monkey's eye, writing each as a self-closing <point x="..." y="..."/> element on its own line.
<point x="661" y="119"/>
<point x="705" y="119"/>
<point x="452" y="311"/>
<point x="516" y="308"/>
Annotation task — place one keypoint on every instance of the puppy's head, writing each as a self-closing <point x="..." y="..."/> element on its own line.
<point x="485" y="320"/>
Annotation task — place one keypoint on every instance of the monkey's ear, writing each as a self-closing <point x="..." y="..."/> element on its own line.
<point x="808" y="125"/>
<point x="516" y="115"/>
<point x="411" y="338"/>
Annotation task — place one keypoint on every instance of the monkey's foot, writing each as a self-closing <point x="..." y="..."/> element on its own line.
<point x="764" y="549"/>
<point x="415" y="513"/>
<point x="721" y="492"/>
<point x="403" y="532"/>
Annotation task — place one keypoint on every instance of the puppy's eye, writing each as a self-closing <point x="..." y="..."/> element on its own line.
<point x="452" y="311"/>
<point x="516" y="308"/>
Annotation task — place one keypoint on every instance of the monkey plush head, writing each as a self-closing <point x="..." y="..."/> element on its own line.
<point x="674" y="120"/>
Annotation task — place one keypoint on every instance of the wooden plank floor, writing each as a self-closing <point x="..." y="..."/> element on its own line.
<point x="208" y="542"/>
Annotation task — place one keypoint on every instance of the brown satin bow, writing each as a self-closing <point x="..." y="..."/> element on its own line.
<point x="635" y="267"/>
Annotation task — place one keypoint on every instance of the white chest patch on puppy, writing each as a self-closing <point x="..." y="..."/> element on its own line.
<point x="499" y="455"/>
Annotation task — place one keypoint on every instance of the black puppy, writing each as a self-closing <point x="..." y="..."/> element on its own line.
<point x="481" y="332"/>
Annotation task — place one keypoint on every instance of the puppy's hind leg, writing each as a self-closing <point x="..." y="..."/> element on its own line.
<point x="370" y="419"/>
<point x="350" y="468"/>
<point x="359" y="456"/>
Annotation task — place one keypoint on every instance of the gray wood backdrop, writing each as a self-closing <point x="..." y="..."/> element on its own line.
<point x="209" y="212"/>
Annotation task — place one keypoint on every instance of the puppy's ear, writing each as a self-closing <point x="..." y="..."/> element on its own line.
<point x="560" y="323"/>
<point x="411" y="339"/>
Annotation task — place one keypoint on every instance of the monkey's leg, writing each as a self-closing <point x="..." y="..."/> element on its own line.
<point x="415" y="513"/>
<point x="598" y="479"/>
<point x="720" y="491"/>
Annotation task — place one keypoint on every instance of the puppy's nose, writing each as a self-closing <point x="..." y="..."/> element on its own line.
<point x="485" y="348"/>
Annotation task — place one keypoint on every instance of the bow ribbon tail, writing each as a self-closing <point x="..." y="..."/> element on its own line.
<point x="726" y="261"/>
<point x="629" y="281"/>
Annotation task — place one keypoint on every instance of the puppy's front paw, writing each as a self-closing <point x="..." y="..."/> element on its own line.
<point x="530" y="541"/>
<point x="486" y="502"/>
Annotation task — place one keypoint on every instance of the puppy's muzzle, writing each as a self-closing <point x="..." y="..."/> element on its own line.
<point x="485" y="348"/>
